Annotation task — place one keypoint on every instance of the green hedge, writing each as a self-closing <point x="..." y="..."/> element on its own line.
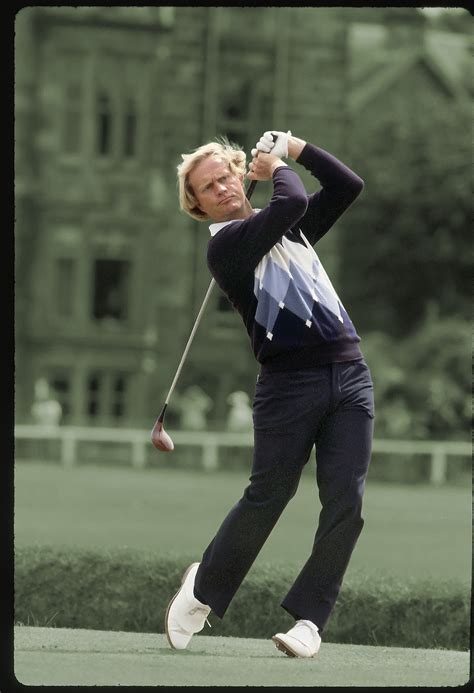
<point x="129" y="590"/>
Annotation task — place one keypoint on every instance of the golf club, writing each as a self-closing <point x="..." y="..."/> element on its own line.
<point x="160" y="439"/>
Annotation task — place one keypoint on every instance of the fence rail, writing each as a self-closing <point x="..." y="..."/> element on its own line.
<point x="211" y="441"/>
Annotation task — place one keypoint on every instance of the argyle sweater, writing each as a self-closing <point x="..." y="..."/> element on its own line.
<point x="269" y="270"/>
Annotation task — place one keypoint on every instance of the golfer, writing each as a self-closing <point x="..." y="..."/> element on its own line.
<point x="313" y="388"/>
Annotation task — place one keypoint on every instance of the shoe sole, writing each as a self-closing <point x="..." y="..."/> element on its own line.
<point x="185" y="575"/>
<point x="286" y="649"/>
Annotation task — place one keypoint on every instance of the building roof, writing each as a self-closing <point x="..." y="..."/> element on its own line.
<point x="376" y="64"/>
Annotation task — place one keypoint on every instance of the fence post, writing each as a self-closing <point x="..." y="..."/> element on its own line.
<point x="68" y="450"/>
<point x="138" y="454"/>
<point x="438" y="466"/>
<point x="210" y="455"/>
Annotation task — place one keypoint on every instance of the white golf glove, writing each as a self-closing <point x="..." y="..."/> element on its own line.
<point x="267" y="145"/>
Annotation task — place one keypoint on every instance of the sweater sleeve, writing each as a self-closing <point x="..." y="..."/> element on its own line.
<point x="340" y="187"/>
<point x="239" y="246"/>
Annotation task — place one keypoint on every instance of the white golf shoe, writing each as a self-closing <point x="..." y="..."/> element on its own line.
<point x="303" y="640"/>
<point x="185" y="614"/>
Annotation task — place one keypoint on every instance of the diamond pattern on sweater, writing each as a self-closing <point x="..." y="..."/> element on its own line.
<point x="291" y="277"/>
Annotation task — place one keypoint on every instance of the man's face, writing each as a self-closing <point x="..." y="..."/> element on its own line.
<point x="219" y="192"/>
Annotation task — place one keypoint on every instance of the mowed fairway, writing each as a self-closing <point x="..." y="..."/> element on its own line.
<point x="410" y="531"/>
<point x="67" y="657"/>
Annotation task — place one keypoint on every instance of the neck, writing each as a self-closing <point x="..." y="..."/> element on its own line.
<point x="246" y="211"/>
<point x="243" y="213"/>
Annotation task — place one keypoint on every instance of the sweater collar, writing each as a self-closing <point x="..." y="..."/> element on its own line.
<point x="215" y="228"/>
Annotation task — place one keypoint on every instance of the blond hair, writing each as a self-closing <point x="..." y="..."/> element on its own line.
<point x="221" y="149"/>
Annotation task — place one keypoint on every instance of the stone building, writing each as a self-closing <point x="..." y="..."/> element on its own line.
<point x="402" y="66"/>
<point x="109" y="274"/>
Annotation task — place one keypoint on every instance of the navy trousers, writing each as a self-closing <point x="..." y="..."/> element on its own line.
<point x="330" y="407"/>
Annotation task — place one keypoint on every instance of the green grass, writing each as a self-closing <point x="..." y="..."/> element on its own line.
<point x="410" y="531"/>
<point x="65" y="657"/>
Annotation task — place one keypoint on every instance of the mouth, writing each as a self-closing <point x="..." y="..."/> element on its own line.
<point x="227" y="199"/>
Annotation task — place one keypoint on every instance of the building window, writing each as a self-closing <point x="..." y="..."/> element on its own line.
<point x="104" y="103"/>
<point x="132" y="95"/>
<point x="111" y="288"/>
<point x="234" y="112"/>
<point x="94" y="395"/>
<point x="61" y="387"/>
<point x="121" y="88"/>
<point x="104" y="124"/>
<point x="107" y="394"/>
<point x="65" y="272"/>
<point x="69" y="69"/>
<point x="245" y="104"/>
<point x="119" y="392"/>
<point x="130" y="128"/>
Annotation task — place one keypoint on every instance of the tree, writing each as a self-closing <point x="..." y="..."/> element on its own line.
<point x="408" y="247"/>
<point x="422" y="382"/>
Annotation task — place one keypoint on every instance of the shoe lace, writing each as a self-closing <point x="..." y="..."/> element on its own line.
<point x="203" y="609"/>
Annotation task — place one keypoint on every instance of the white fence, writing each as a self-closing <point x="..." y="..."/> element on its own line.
<point x="211" y="441"/>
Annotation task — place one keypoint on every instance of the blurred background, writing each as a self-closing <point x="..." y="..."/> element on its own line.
<point x="110" y="273"/>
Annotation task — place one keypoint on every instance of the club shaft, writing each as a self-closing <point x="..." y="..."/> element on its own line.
<point x="191" y="337"/>
<point x="248" y="194"/>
